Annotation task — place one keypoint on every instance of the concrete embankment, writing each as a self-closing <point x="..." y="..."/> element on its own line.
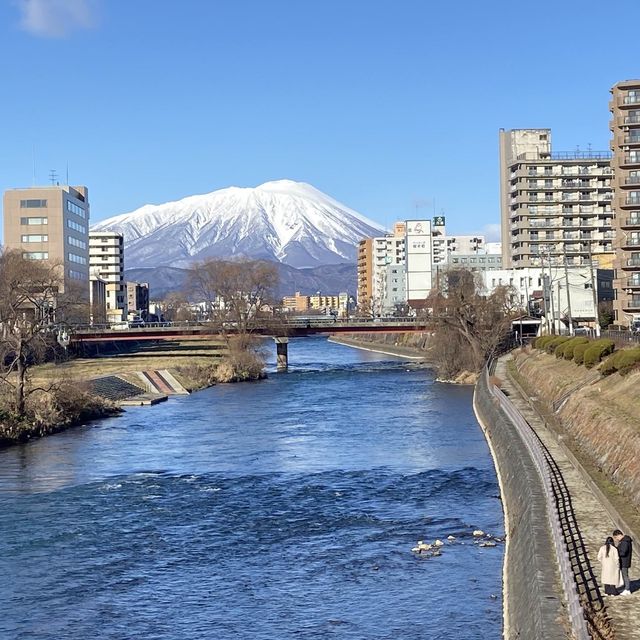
<point x="532" y="593"/>
<point x="410" y="344"/>
<point x="598" y="418"/>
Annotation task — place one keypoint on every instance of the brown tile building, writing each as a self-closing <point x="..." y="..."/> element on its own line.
<point x="625" y="144"/>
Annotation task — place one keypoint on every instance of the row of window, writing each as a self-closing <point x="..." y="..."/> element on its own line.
<point x="36" y="255"/>
<point x="34" y="221"/>
<point x="74" y="257"/>
<point x="74" y="208"/>
<point x="81" y="244"/>
<point x="33" y="204"/>
<point x="34" y="238"/>
<point x="76" y="227"/>
<point x="77" y="275"/>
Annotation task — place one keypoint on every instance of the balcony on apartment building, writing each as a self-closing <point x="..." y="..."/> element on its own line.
<point x="629" y="242"/>
<point x="633" y="282"/>
<point x="631" y="221"/>
<point x="632" y="263"/>
<point x="630" y="160"/>
<point x="632" y="303"/>
<point x="631" y="181"/>
<point x="631" y="201"/>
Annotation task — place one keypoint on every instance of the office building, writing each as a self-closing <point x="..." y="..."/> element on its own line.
<point x="51" y="223"/>
<point x="555" y="206"/>
<point x="625" y="144"/>
<point x="419" y="262"/>
<point x="106" y="259"/>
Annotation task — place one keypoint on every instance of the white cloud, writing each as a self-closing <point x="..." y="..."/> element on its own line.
<point x="491" y="232"/>
<point x="56" y="18"/>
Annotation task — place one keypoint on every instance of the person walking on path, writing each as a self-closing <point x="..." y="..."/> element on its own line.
<point x="610" y="563"/>
<point x="625" y="551"/>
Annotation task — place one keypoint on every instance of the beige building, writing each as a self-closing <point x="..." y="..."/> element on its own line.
<point x="625" y="144"/>
<point x="297" y="302"/>
<point x="137" y="299"/>
<point x="106" y="259"/>
<point x="51" y="223"/>
<point x="554" y="206"/>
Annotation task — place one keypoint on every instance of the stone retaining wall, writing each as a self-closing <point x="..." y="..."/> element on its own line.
<point x="532" y="593"/>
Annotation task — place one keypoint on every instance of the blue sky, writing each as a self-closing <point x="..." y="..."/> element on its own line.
<point x="386" y="105"/>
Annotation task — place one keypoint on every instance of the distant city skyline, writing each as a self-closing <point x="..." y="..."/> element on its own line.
<point x="392" y="108"/>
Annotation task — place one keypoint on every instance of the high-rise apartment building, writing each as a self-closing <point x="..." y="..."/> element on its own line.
<point x="375" y="257"/>
<point x="51" y="223"/>
<point x="555" y="207"/>
<point x="625" y="144"/>
<point x="106" y="256"/>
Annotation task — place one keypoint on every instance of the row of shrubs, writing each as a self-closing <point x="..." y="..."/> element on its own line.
<point x="589" y="353"/>
<point x="579" y="349"/>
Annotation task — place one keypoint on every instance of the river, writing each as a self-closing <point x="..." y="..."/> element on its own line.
<point x="280" y="509"/>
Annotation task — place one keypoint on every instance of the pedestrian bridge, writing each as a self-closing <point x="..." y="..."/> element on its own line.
<point x="290" y="327"/>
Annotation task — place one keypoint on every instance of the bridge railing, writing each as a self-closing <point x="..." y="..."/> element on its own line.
<point x="268" y="324"/>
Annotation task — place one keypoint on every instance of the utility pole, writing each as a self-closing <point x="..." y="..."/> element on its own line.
<point x="553" y="311"/>
<point x="594" y="293"/>
<point x="566" y="280"/>
<point x="559" y="332"/>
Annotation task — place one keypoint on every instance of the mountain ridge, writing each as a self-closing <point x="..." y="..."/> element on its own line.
<point x="283" y="221"/>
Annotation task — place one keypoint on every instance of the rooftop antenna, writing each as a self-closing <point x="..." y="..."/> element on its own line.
<point x="53" y="176"/>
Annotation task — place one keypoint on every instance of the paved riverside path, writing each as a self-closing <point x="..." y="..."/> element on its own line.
<point x="594" y="523"/>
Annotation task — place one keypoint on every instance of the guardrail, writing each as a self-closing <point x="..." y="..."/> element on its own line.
<point x="556" y="502"/>
<point x="310" y="322"/>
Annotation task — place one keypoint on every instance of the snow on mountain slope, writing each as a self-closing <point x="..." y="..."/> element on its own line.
<point x="285" y="221"/>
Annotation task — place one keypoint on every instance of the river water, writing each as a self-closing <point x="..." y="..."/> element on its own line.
<point x="273" y="510"/>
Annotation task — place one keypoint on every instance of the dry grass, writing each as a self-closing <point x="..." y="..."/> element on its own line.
<point x="174" y="355"/>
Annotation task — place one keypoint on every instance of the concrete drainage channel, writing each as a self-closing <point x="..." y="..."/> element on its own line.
<point x="143" y="387"/>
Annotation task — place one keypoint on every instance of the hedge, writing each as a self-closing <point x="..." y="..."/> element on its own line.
<point x="566" y="350"/>
<point x="541" y="341"/>
<point x="596" y="351"/>
<point x="622" y="361"/>
<point x="550" y="346"/>
<point x="578" y="352"/>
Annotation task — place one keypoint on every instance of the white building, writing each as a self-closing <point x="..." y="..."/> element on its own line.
<point x="106" y="262"/>
<point x="547" y="290"/>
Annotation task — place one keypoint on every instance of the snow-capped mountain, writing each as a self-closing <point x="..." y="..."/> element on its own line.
<point x="285" y="221"/>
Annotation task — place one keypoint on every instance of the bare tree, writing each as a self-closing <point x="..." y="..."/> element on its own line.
<point x="175" y="307"/>
<point x="234" y="291"/>
<point x="470" y="323"/>
<point x="33" y="309"/>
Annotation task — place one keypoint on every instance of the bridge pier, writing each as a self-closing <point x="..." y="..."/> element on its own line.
<point x="282" y="353"/>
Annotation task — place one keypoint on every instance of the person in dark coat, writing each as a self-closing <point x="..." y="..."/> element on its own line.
<point x="625" y="551"/>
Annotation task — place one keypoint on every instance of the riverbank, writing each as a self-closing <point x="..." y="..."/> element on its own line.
<point x="54" y="419"/>
<point x="415" y="346"/>
<point x="594" y="512"/>
<point x="381" y="347"/>
<point x="83" y="388"/>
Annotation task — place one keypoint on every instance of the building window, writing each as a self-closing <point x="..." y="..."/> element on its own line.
<point x="36" y="255"/>
<point x="29" y="221"/>
<point x="74" y="208"/>
<point x="73" y="257"/>
<point x="34" y="238"/>
<point x="81" y="244"/>
<point x="33" y="204"/>
<point x="77" y="275"/>
<point x="76" y="227"/>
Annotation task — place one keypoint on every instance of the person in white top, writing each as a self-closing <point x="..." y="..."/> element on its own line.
<point x="610" y="562"/>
